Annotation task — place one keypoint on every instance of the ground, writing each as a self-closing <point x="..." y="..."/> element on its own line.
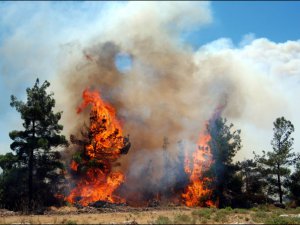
<point x="157" y="215"/>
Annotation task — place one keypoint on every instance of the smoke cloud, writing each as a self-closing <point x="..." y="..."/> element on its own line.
<point x="169" y="89"/>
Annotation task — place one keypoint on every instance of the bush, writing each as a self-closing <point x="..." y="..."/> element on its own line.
<point x="182" y="219"/>
<point x="221" y="215"/>
<point x="163" y="220"/>
<point x="265" y="208"/>
<point x="202" y="213"/>
<point x="260" y="216"/>
<point x="241" y="211"/>
<point x="228" y="209"/>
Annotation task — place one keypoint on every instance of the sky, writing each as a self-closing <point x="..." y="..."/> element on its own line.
<point x="275" y="20"/>
<point x="33" y="35"/>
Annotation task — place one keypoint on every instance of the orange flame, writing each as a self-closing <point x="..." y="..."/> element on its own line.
<point x="104" y="124"/>
<point x="105" y="146"/>
<point x="74" y="165"/>
<point x="197" y="192"/>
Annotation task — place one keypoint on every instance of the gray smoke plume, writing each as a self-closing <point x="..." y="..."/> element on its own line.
<point x="170" y="90"/>
<point x="159" y="96"/>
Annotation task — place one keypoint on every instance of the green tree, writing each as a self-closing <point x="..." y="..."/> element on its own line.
<point x="35" y="146"/>
<point x="275" y="164"/>
<point x="254" y="184"/>
<point x="293" y="184"/>
<point x="12" y="180"/>
<point x="224" y="144"/>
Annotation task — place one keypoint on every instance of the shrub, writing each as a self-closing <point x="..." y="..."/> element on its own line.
<point x="163" y="220"/>
<point x="182" y="219"/>
<point x="241" y="211"/>
<point x="260" y="216"/>
<point x="228" y="209"/>
<point x="202" y="213"/>
<point x="221" y="215"/>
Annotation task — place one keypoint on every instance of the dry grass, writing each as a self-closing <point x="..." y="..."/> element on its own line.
<point x="182" y="215"/>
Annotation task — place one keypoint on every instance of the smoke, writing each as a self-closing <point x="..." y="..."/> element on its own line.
<point x="260" y="80"/>
<point x="169" y="89"/>
<point x="157" y="97"/>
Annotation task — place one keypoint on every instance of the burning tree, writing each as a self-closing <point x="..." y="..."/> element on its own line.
<point x="224" y="144"/>
<point x="102" y="144"/>
<point x="198" y="192"/>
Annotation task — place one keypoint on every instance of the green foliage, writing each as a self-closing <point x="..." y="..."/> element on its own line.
<point x="253" y="182"/>
<point x="224" y="144"/>
<point x="35" y="168"/>
<point x="77" y="157"/>
<point x="14" y="191"/>
<point x="221" y="215"/>
<point x="228" y="208"/>
<point x="259" y="216"/>
<point x="264" y="207"/>
<point x="182" y="219"/>
<point x="163" y="220"/>
<point x="240" y="211"/>
<point x="202" y="213"/>
<point x="274" y="165"/>
<point x="8" y="161"/>
<point x="293" y="184"/>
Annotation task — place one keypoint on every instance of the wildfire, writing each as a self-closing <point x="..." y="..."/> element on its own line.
<point x="197" y="192"/>
<point x="103" y="144"/>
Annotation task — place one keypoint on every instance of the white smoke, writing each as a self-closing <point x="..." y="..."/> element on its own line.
<point x="261" y="79"/>
<point x="170" y="89"/>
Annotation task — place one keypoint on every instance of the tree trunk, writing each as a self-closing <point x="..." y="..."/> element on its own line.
<point x="221" y="196"/>
<point x="30" y="170"/>
<point x="278" y="176"/>
<point x="279" y="184"/>
<point x="247" y="183"/>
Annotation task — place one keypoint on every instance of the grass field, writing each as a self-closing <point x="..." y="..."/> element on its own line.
<point x="181" y="215"/>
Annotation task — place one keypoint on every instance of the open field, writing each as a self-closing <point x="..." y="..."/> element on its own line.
<point x="177" y="215"/>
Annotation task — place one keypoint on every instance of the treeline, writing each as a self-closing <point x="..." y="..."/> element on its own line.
<point x="33" y="174"/>
<point x="265" y="179"/>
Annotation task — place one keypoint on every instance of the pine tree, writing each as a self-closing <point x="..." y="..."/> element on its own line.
<point x="293" y="185"/>
<point x="224" y="144"/>
<point x="35" y="146"/>
<point x="254" y="183"/>
<point x="275" y="164"/>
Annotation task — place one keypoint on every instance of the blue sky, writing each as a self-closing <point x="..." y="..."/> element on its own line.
<point x="276" y="21"/>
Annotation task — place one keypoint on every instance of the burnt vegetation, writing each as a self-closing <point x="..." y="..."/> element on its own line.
<point x="33" y="175"/>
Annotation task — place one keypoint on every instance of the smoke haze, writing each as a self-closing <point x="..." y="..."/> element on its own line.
<point x="169" y="90"/>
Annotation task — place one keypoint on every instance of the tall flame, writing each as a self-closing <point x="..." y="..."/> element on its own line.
<point x="104" y="146"/>
<point x="197" y="193"/>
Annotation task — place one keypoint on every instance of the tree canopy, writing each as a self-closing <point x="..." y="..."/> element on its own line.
<point x="224" y="144"/>
<point x="36" y="161"/>
<point x="275" y="164"/>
